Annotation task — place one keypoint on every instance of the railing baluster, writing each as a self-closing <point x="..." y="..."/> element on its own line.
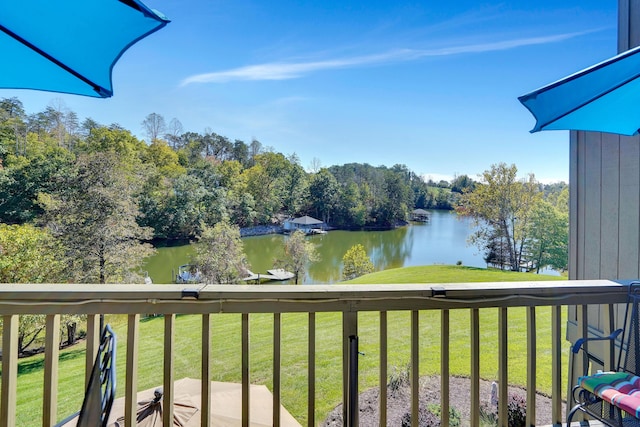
<point x="311" y="396"/>
<point x="608" y="328"/>
<point x="131" y="385"/>
<point x="556" y="362"/>
<point x="475" y="367"/>
<point x="531" y="366"/>
<point x="444" y="367"/>
<point x="167" y="389"/>
<point x="578" y="363"/>
<point x="51" y="354"/>
<point x="277" y="340"/>
<point x="9" y="370"/>
<point x="205" y="409"/>
<point x="349" y="328"/>
<point x="245" y="370"/>
<point x="383" y="368"/>
<point x="415" y="367"/>
<point x="503" y="366"/>
<point x="93" y="344"/>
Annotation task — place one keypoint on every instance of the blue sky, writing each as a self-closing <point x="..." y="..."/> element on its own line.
<point x="432" y="85"/>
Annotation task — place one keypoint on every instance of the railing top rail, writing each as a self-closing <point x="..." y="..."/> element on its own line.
<point x="122" y="299"/>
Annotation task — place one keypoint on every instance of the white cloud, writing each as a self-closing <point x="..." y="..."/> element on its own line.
<point x="292" y="70"/>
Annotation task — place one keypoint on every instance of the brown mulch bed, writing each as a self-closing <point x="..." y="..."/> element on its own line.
<point x="399" y="402"/>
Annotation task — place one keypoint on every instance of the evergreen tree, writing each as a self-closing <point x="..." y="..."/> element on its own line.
<point x="356" y="263"/>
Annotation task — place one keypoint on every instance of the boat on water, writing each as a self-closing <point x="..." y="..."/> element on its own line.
<point x="278" y="274"/>
<point x="188" y="273"/>
<point x="317" y="231"/>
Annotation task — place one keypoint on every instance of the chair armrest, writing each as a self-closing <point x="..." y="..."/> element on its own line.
<point x="578" y="344"/>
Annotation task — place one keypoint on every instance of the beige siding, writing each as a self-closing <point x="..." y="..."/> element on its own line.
<point x="605" y="206"/>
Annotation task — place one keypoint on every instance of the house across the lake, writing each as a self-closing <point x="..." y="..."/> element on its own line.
<point x="306" y="223"/>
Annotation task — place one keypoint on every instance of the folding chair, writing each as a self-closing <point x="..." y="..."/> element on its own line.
<point x="613" y="397"/>
<point x="101" y="389"/>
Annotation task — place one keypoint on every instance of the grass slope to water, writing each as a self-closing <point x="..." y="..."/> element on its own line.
<point x="226" y="345"/>
<point x="447" y="274"/>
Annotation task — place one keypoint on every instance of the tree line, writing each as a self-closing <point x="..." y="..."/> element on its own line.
<point x="179" y="181"/>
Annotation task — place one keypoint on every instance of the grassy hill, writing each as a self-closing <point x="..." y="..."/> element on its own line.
<point x="447" y="274"/>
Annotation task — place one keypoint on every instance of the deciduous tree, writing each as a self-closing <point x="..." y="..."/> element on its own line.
<point x="154" y="125"/>
<point x="219" y="255"/>
<point x="503" y="206"/>
<point x="298" y="253"/>
<point x="94" y="213"/>
<point x="30" y="254"/>
<point x="548" y="244"/>
<point x="323" y="193"/>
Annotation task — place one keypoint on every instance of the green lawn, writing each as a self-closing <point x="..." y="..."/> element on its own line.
<point x="227" y="352"/>
<point x="447" y="274"/>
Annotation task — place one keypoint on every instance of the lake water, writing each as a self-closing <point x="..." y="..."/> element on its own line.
<point x="443" y="240"/>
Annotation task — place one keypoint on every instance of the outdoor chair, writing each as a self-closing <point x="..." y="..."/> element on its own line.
<point x="613" y="397"/>
<point x="101" y="389"/>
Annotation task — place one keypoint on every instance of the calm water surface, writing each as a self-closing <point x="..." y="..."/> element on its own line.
<point x="441" y="241"/>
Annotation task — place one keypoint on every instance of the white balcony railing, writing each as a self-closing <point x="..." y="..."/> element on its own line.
<point x="350" y="300"/>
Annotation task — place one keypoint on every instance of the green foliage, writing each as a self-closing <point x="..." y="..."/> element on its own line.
<point x="266" y="182"/>
<point x="462" y="184"/>
<point x="164" y="159"/>
<point x="93" y="214"/>
<point x="29" y="255"/>
<point x="399" y="378"/>
<point x="220" y="256"/>
<point x="503" y="208"/>
<point x="488" y="415"/>
<point x="356" y="263"/>
<point x="454" y="414"/>
<point x="26" y="176"/>
<point x="549" y="242"/>
<point x="323" y="190"/>
<point x="298" y="253"/>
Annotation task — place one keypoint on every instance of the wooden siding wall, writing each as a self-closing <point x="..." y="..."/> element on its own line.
<point x="605" y="206"/>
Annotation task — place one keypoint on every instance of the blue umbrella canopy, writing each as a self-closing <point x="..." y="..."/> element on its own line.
<point x="69" y="46"/>
<point x="602" y="98"/>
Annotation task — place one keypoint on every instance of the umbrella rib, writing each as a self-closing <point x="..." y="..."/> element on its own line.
<point x="99" y="89"/>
